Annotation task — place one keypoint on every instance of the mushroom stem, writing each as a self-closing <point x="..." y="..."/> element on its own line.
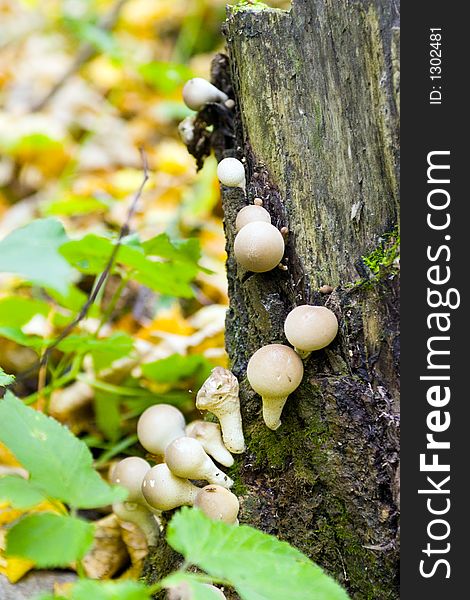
<point x="304" y="354"/>
<point x="133" y="512"/>
<point x="232" y="432"/>
<point x="272" y="409"/>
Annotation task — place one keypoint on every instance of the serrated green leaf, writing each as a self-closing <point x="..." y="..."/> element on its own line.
<point x="50" y="540"/>
<point x="19" y="492"/>
<point x="199" y="589"/>
<point x="5" y="379"/>
<point x="32" y="252"/>
<point x="60" y="465"/>
<point x="177" y="367"/>
<point x="259" y="566"/>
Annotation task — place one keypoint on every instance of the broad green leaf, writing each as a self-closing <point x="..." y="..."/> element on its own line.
<point x="89" y="255"/>
<point x="16" y="335"/>
<point x="259" y="566"/>
<point x="19" y="492"/>
<point x="59" y="464"/>
<point x="5" y="379"/>
<point x="32" y="252"/>
<point x="73" y="299"/>
<point x="165" y="76"/>
<point x="104" y="351"/>
<point x="176" y="367"/>
<point x="50" y="540"/>
<point x="75" y="205"/>
<point x="16" y="312"/>
<point x="183" y="250"/>
<point x="197" y="586"/>
<point x="110" y="590"/>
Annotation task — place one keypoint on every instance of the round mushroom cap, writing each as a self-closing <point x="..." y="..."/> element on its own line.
<point x="251" y="213"/>
<point x="310" y="328"/>
<point x="231" y="172"/>
<point x="198" y="91"/>
<point x="218" y="503"/>
<point x="259" y="247"/>
<point x="158" y="426"/>
<point x="129" y="473"/>
<point x="275" y="371"/>
<point x="183" y="454"/>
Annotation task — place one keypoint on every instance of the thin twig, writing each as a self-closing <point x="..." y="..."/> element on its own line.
<point x="102" y="278"/>
<point x="85" y="53"/>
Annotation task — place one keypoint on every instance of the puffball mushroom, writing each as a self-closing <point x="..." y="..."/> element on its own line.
<point x="231" y="172"/>
<point x="158" y="426"/>
<point x="129" y="473"/>
<point x="259" y="247"/>
<point x="310" y="328"/>
<point x="218" y="503"/>
<point x="164" y="491"/>
<point x="274" y="372"/>
<point x="134" y="512"/>
<point x="186" y="458"/>
<point x="251" y="213"/>
<point x="219" y="395"/>
<point x="198" y="92"/>
<point x="210" y="436"/>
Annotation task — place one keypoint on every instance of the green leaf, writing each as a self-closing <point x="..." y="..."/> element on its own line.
<point x="108" y="414"/>
<point x="75" y="205"/>
<point x="104" y="351"/>
<point x="110" y="590"/>
<point x="177" y="367"/>
<point x="32" y="252"/>
<point x="182" y="250"/>
<point x="50" y="540"/>
<point x="16" y="335"/>
<point x="5" y="379"/>
<point x="259" y="566"/>
<point x="19" y="492"/>
<point x="16" y="312"/>
<point x="165" y="76"/>
<point x="196" y="584"/>
<point x="60" y="465"/>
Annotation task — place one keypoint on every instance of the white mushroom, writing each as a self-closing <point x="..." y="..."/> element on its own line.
<point x="231" y="173"/>
<point x="158" y="426"/>
<point x="134" y="512"/>
<point x="218" y="503"/>
<point x="164" y="491"/>
<point x="274" y="372"/>
<point x="219" y="394"/>
<point x="310" y="328"/>
<point x="259" y="247"/>
<point x="198" y="92"/>
<point x="210" y="436"/>
<point x="129" y="473"/>
<point x="186" y="129"/>
<point x="186" y="458"/>
<point x="251" y="213"/>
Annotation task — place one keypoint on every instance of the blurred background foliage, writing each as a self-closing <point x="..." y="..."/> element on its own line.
<point x="83" y="85"/>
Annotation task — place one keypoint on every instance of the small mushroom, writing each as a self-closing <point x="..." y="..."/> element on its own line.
<point x="158" y="426"/>
<point x="129" y="473"/>
<point x="231" y="173"/>
<point x="218" y="503"/>
<point x="259" y="247"/>
<point x="186" y="458"/>
<point x="274" y="372"/>
<point x="251" y="213"/>
<point x="198" y="92"/>
<point x="219" y="394"/>
<point x="310" y="328"/>
<point x="210" y="436"/>
<point x="186" y="129"/>
<point x="134" y="512"/>
<point x="164" y="491"/>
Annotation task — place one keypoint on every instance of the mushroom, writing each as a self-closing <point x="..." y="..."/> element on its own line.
<point x="129" y="473"/>
<point x="198" y="92"/>
<point x="186" y="129"/>
<point x="219" y="394"/>
<point x="182" y="591"/>
<point x="310" y="328"/>
<point x="251" y="213"/>
<point x="259" y="247"/>
<point x="158" y="426"/>
<point x="218" y="503"/>
<point x="274" y="372"/>
<point x="231" y="173"/>
<point x="186" y="458"/>
<point x="210" y="436"/>
<point x="164" y="491"/>
<point x="134" y="512"/>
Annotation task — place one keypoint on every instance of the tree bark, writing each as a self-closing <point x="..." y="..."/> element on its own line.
<point x="316" y="119"/>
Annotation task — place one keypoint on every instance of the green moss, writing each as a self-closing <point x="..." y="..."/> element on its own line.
<point x="251" y="5"/>
<point x="385" y="254"/>
<point x="239" y="488"/>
